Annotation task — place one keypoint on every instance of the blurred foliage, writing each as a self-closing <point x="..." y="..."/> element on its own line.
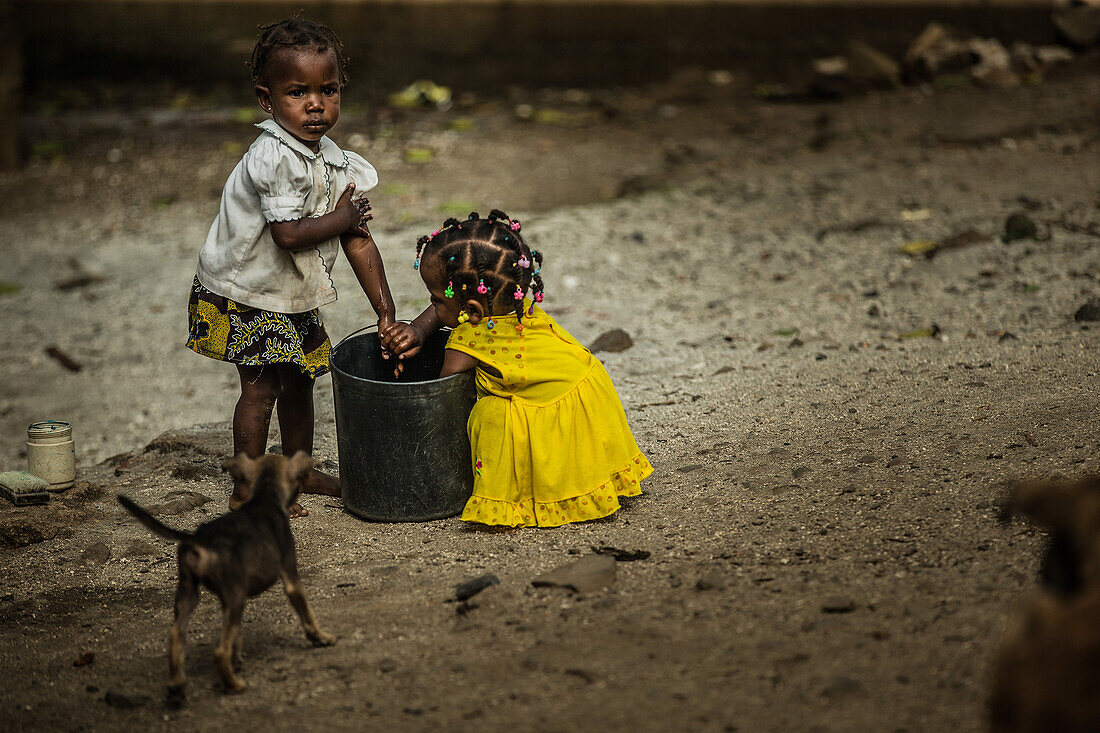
<point x="419" y="156"/>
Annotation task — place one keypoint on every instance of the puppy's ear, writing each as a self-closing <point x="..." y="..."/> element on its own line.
<point x="299" y="466"/>
<point x="242" y="468"/>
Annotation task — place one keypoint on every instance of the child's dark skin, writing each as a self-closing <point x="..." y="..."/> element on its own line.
<point x="303" y="95"/>
<point x="405" y="339"/>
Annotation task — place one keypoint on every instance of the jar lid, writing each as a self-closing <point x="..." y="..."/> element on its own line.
<point x="45" y="428"/>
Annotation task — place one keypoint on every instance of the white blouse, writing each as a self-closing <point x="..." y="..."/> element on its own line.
<point x="278" y="179"/>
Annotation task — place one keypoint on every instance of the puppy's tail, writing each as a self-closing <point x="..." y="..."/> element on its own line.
<point x="151" y="522"/>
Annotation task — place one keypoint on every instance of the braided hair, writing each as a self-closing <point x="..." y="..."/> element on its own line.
<point x="295" y="33"/>
<point x="486" y="255"/>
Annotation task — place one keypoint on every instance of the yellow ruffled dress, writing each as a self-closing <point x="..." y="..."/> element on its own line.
<point x="548" y="436"/>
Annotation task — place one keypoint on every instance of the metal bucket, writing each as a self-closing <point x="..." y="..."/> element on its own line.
<point x="404" y="452"/>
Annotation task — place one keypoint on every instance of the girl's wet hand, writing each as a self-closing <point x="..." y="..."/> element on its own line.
<point x="402" y="340"/>
<point x="364" y="208"/>
<point x="356" y="212"/>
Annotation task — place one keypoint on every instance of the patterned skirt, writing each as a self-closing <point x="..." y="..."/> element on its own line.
<point x="226" y="330"/>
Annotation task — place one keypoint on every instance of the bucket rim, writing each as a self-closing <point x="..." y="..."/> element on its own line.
<point x="365" y="330"/>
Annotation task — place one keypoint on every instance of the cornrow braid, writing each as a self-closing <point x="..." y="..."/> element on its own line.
<point x="488" y="252"/>
<point x="295" y="33"/>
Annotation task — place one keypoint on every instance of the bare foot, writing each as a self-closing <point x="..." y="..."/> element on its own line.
<point x="321" y="483"/>
<point x="297" y="510"/>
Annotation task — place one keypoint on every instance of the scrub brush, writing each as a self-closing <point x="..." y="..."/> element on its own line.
<point x="22" y="488"/>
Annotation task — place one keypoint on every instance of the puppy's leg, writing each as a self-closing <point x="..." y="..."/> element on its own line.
<point x="232" y="609"/>
<point x="294" y="592"/>
<point x="238" y="659"/>
<point x="187" y="597"/>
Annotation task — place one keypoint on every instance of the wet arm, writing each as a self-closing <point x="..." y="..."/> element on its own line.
<point x="310" y="232"/>
<point x="366" y="262"/>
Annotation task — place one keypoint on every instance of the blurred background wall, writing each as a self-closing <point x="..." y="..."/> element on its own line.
<point x="490" y="42"/>
<point x="87" y="53"/>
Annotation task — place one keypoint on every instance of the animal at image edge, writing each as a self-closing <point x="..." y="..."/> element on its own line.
<point x="237" y="556"/>
<point x="1046" y="675"/>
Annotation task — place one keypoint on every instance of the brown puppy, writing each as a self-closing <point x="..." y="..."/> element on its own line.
<point x="1047" y="674"/>
<point x="237" y="556"/>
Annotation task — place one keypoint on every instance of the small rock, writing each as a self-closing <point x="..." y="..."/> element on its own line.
<point x="1090" y="311"/>
<point x="874" y="311"/>
<point x="1080" y="25"/>
<point x="868" y="66"/>
<point x="124" y="701"/>
<point x="95" y="554"/>
<point x="621" y="555"/>
<point x="1052" y="55"/>
<point x="615" y="340"/>
<point x="140" y="548"/>
<point x="642" y="183"/>
<point x="689" y="468"/>
<point x="800" y="471"/>
<point x="994" y="66"/>
<point x="841" y="686"/>
<point x="1019" y="226"/>
<point x="820" y="357"/>
<point x="709" y="581"/>
<point x="387" y="665"/>
<point x="84" y="659"/>
<point x="838" y="604"/>
<point x="582" y="674"/>
<point x="179" y="502"/>
<point x="192" y="471"/>
<point x="937" y="50"/>
<point x="471" y="588"/>
<point x="20" y="534"/>
<point x="586" y="575"/>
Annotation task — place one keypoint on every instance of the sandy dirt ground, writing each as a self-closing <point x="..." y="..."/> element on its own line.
<point x="822" y="522"/>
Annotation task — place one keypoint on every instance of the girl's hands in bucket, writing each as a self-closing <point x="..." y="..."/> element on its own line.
<point x="402" y="340"/>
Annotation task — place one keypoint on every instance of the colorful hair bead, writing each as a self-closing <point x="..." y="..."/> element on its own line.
<point x="538" y="297"/>
<point x="518" y="295"/>
<point x="491" y="324"/>
<point x="515" y="225"/>
<point x="463" y="316"/>
<point x="450" y="291"/>
<point x="416" y="263"/>
<point x="524" y="262"/>
<point x="481" y="287"/>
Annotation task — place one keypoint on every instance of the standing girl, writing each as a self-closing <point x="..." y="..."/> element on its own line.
<point x="264" y="270"/>
<point x="548" y="435"/>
